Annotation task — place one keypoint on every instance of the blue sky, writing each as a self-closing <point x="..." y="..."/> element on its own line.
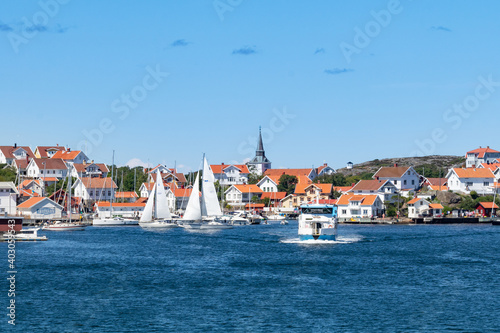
<point x="328" y="81"/>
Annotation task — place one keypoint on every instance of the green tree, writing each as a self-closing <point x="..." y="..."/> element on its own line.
<point x="287" y="184"/>
<point x="467" y="203"/>
<point x="7" y="174"/>
<point x="337" y="179"/>
<point x="474" y="195"/>
<point x="254" y="178"/>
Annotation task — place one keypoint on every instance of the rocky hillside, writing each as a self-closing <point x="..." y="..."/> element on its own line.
<point x="430" y="163"/>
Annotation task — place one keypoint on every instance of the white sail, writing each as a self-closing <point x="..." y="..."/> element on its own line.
<point x="147" y="214"/>
<point x="162" y="211"/>
<point x="209" y="202"/>
<point x="193" y="209"/>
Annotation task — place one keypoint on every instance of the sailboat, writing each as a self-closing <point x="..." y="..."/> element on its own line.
<point x="210" y="208"/>
<point x="207" y="214"/>
<point x="156" y="214"/>
<point x="66" y="225"/>
<point x="192" y="215"/>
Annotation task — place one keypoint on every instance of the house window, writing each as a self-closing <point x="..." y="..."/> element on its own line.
<point x="404" y="182"/>
<point x="413" y="182"/>
<point x="486" y="183"/>
<point x="365" y="211"/>
<point x="395" y="182"/>
<point x="109" y="193"/>
<point x="344" y="211"/>
<point x="469" y="183"/>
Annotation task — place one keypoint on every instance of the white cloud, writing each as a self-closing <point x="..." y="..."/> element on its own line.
<point x="135" y="162"/>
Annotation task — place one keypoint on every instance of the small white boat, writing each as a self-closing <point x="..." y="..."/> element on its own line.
<point x="64" y="226"/>
<point x="23" y="235"/>
<point x="114" y="221"/>
<point x="318" y="222"/>
<point x="284" y="222"/>
<point x="276" y="217"/>
<point x="239" y="219"/>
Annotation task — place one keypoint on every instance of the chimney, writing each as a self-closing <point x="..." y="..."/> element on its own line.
<point x="376" y="178"/>
<point x="69" y="149"/>
<point x="15" y="145"/>
<point x="324" y="164"/>
<point x="222" y="163"/>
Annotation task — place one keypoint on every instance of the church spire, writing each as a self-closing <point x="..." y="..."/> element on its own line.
<point x="260" y="161"/>
<point x="260" y="145"/>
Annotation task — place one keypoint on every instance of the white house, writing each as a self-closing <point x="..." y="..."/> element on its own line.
<point x="385" y="189"/>
<point x="8" y="198"/>
<point x="365" y="205"/>
<point x="240" y="195"/>
<point x="82" y="170"/>
<point x="95" y="189"/>
<point x="40" y="208"/>
<point x="419" y="207"/>
<point x="124" y="209"/>
<point x="325" y="170"/>
<point x="8" y="154"/>
<point x="146" y="189"/>
<point x="476" y="157"/>
<point x="32" y="186"/>
<point x="467" y="180"/>
<point x="45" y="169"/>
<point x="230" y="174"/>
<point x="401" y="177"/>
<point x="268" y="184"/>
<point x="71" y="156"/>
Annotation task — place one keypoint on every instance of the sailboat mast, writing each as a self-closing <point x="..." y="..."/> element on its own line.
<point x="112" y="190"/>
<point x="69" y="192"/>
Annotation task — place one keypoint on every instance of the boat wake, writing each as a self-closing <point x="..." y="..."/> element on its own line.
<point x="339" y="240"/>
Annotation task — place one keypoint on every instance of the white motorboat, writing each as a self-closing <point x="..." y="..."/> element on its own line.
<point x="276" y="217"/>
<point x="239" y="219"/>
<point x="24" y="235"/>
<point x="318" y="222"/>
<point x="113" y="221"/>
<point x="64" y="226"/>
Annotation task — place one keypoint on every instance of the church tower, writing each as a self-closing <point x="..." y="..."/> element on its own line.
<point x="260" y="161"/>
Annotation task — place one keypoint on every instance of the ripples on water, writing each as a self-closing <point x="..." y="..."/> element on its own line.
<point x="260" y="278"/>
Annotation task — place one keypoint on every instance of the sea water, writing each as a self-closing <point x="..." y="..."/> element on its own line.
<point x="259" y="278"/>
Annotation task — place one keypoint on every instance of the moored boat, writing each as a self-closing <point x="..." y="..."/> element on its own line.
<point x="114" y="221"/>
<point x="23" y="235"/>
<point x="64" y="226"/>
<point x="318" y="222"/>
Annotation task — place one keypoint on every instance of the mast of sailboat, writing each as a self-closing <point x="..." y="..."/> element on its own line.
<point x="112" y="189"/>
<point x="69" y="192"/>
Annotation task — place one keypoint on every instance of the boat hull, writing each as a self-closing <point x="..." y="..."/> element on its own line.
<point x="63" y="228"/>
<point x="158" y="225"/>
<point x="113" y="222"/>
<point x="319" y="237"/>
<point x="215" y="225"/>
